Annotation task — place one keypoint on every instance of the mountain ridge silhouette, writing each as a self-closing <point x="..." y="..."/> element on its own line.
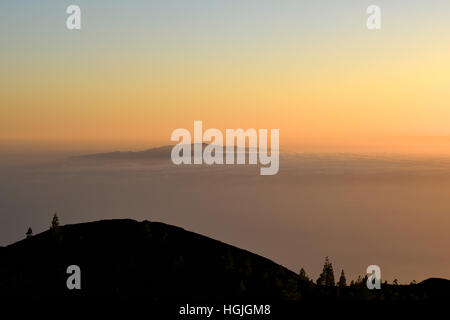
<point x="147" y="154"/>
<point x="127" y="259"/>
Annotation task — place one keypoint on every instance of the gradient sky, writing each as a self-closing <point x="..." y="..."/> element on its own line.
<point x="140" y="69"/>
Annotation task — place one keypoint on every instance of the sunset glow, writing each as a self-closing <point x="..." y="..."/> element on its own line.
<point x="314" y="71"/>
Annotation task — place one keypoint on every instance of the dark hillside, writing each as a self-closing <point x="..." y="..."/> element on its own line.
<point x="125" y="258"/>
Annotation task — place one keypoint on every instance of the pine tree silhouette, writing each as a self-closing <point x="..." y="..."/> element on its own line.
<point x="302" y="275"/>
<point x="342" y="280"/>
<point x="55" y="222"/>
<point x="326" y="278"/>
<point x="29" y="233"/>
<point x="55" y="229"/>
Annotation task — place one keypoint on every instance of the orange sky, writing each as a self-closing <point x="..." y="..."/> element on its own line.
<point x="335" y="90"/>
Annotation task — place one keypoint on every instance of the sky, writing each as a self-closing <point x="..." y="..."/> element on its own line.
<point x="137" y="70"/>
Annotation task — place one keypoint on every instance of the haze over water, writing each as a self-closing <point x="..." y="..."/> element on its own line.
<point x="358" y="209"/>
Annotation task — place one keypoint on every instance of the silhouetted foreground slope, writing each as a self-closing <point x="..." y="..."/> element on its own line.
<point x="125" y="258"/>
<point x="150" y="260"/>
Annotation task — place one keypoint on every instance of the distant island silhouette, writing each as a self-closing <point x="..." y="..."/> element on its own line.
<point x="126" y="259"/>
<point x="156" y="153"/>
